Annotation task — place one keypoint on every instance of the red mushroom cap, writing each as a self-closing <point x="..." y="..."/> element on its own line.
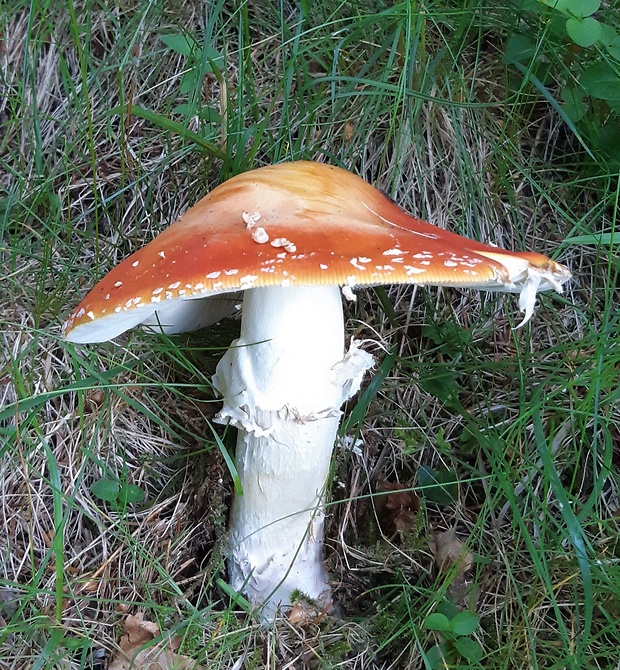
<point x="298" y="223"/>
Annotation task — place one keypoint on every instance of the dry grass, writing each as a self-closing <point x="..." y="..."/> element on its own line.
<point x="82" y="187"/>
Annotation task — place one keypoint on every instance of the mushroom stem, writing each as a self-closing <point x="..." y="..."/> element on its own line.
<point x="284" y="381"/>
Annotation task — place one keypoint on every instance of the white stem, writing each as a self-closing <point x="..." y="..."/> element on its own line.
<point x="284" y="381"/>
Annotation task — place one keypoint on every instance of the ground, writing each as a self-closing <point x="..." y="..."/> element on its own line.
<point x="477" y="474"/>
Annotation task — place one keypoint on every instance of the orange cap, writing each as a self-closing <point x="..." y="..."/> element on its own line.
<point x="294" y="224"/>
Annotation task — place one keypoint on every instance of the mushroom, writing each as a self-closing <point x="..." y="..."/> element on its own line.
<point x="289" y="236"/>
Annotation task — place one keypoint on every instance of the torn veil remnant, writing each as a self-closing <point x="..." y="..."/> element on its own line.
<point x="289" y="235"/>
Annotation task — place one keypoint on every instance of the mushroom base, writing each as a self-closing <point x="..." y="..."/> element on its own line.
<point x="284" y="381"/>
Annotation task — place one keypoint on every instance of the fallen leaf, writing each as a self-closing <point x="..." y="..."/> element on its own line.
<point x="139" y="652"/>
<point x="454" y="559"/>
<point x="349" y="132"/>
<point x="304" y="613"/>
<point x="449" y="552"/>
<point x="396" y="508"/>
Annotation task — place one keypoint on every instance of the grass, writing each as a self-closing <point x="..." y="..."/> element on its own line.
<point x="103" y="145"/>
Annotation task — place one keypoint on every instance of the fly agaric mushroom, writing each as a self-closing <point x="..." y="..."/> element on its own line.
<point x="290" y="236"/>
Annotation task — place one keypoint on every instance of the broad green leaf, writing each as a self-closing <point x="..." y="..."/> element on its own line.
<point x="437" y="621"/>
<point x="608" y="141"/>
<point x="613" y="47"/>
<point x="608" y="34"/>
<point x="130" y="494"/>
<point x="560" y="5"/>
<point x="601" y="81"/>
<point x="74" y="643"/>
<point x="584" y="32"/>
<point x="464" y="623"/>
<point x="573" y="105"/>
<point x="211" y="115"/>
<point x="609" y="135"/>
<point x="451" y="338"/>
<point x="438" y="657"/>
<point x="191" y="81"/>
<point x="440" y="486"/>
<point x="528" y="5"/>
<point x="469" y="649"/>
<point x="441" y="384"/>
<point x="188" y="110"/>
<point x="448" y="608"/>
<point x="215" y="61"/>
<point x="105" y="489"/>
<point x="542" y="70"/>
<point x="519" y="48"/>
<point x="582" y="8"/>
<point x="182" y="44"/>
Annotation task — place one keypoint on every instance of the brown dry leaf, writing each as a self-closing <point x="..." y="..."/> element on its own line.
<point x="449" y="552"/>
<point x="397" y="509"/>
<point x="133" y="654"/>
<point x="304" y="613"/>
<point x="301" y="614"/>
<point x="452" y="556"/>
<point x="137" y="631"/>
<point x="349" y="132"/>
